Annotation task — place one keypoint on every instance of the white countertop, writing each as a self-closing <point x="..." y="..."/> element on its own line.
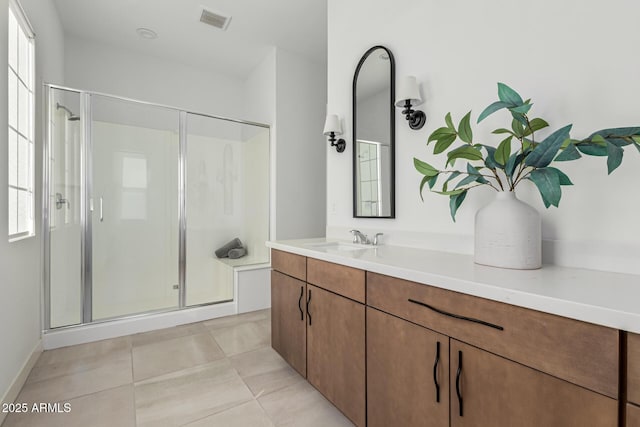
<point x="603" y="298"/>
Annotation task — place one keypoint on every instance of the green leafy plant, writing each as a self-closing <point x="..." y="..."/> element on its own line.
<point x="503" y="168"/>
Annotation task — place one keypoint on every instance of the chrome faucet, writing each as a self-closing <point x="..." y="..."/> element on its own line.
<point x="375" y="238"/>
<point x="358" y="237"/>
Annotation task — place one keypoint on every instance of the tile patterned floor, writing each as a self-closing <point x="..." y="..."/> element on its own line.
<point x="221" y="372"/>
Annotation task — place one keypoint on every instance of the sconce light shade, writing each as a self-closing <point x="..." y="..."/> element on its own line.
<point x="332" y="128"/>
<point x="408" y="90"/>
<point x="408" y="96"/>
<point x="332" y="124"/>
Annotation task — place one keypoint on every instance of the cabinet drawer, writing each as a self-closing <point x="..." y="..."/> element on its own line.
<point x="581" y="353"/>
<point x="291" y="264"/>
<point x="345" y="281"/>
<point x="633" y="415"/>
<point x="633" y="368"/>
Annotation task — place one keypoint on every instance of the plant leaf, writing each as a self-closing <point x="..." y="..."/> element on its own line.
<point x="439" y="133"/>
<point x="534" y="126"/>
<point x="453" y="175"/>
<point x="443" y="143"/>
<point x="432" y="182"/>
<point x="569" y="153"/>
<point x="562" y="177"/>
<point x="522" y="109"/>
<point x="518" y="128"/>
<point x="490" y="160"/>
<point x="472" y="170"/>
<point x="509" y="96"/>
<point x="503" y="151"/>
<point x="607" y="133"/>
<point x="501" y="131"/>
<point x="425" y="168"/>
<point x="464" y="129"/>
<point x="512" y="163"/>
<point x="465" y="152"/>
<point x="544" y="152"/>
<point x="498" y="105"/>
<point x="455" y="201"/>
<point x="614" y="157"/>
<point x="519" y="117"/>
<point x="450" y="125"/>
<point x="425" y="179"/>
<point x="592" y="149"/>
<point x="548" y="184"/>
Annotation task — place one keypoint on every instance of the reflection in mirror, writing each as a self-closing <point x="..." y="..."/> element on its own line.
<point x="374" y="135"/>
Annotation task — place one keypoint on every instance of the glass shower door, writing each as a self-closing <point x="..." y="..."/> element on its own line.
<point x="133" y="207"/>
<point x="64" y="208"/>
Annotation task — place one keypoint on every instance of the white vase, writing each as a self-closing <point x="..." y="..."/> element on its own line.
<point x="508" y="234"/>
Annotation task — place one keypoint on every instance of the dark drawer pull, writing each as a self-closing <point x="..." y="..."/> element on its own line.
<point x="300" y="301"/>
<point x="458" y="372"/>
<point x="435" y="372"/>
<point x="457" y="316"/>
<point x="308" y="301"/>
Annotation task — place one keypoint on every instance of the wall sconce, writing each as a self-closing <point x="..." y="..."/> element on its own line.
<point x="331" y="129"/>
<point x="408" y="96"/>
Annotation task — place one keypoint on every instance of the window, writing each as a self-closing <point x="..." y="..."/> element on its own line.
<point x="21" y="124"/>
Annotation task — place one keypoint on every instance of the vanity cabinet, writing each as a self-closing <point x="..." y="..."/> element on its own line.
<point x="436" y="357"/>
<point x="507" y="365"/>
<point x="318" y="327"/>
<point x="336" y="351"/>
<point x="633" y="380"/>
<point x="407" y="373"/>
<point x="288" y="320"/>
<point x="489" y="390"/>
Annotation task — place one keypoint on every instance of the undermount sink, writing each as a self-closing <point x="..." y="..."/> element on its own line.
<point x="337" y="246"/>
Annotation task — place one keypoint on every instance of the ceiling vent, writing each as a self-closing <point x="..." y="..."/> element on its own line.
<point x="215" y="19"/>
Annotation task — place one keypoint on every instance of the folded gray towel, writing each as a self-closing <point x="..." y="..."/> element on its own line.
<point x="223" y="252"/>
<point x="237" y="253"/>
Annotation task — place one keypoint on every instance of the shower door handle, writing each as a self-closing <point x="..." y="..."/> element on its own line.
<point x="101" y="212"/>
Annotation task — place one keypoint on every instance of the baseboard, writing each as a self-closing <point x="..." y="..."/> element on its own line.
<point x="17" y="384"/>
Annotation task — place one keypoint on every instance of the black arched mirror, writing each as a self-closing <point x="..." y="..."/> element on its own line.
<point x="374" y="135"/>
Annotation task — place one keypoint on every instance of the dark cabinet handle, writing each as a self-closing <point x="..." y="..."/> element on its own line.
<point x="308" y="301"/>
<point x="300" y="302"/>
<point x="435" y="372"/>
<point x="458" y="381"/>
<point x="457" y="316"/>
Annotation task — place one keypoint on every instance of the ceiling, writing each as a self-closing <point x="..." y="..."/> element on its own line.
<point x="298" y="26"/>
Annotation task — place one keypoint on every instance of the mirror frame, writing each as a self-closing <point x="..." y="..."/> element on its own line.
<point x="392" y="213"/>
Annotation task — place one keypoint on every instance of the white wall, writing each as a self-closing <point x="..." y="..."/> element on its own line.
<point x="568" y="56"/>
<point x="102" y="68"/>
<point x="301" y="147"/>
<point x="20" y="288"/>
<point x="288" y="92"/>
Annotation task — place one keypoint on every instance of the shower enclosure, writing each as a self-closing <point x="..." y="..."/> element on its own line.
<point x="137" y="197"/>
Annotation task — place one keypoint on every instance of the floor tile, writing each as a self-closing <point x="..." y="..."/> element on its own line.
<point x="152" y="337"/>
<point x="301" y="405"/>
<point x="109" y="372"/>
<point x="264" y="371"/>
<point x="79" y="352"/>
<point x="189" y="395"/>
<point x="69" y="366"/>
<point x="228" y="321"/>
<point x="242" y="337"/>
<point x="114" y="407"/>
<point x="173" y="355"/>
<point x="248" y="414"/>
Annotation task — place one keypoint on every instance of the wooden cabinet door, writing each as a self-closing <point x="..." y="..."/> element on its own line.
<point x="288" y="328"/>
<point x="336" y="351"/>
<point x="407" y="373"/>
<point x="488" y="390"/>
